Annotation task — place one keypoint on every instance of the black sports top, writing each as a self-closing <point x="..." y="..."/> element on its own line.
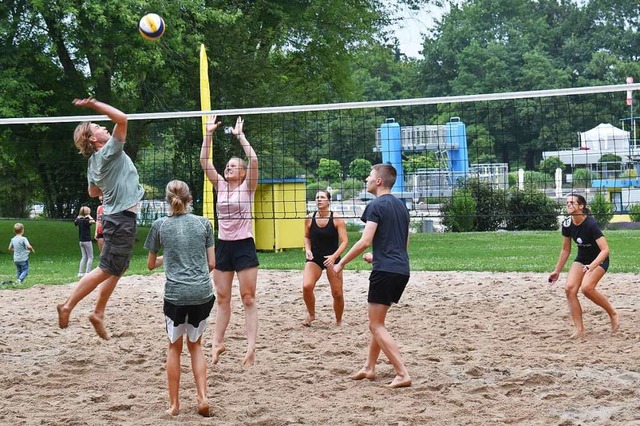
<point x="585" y="236"/>
<point x="324" y="240"/>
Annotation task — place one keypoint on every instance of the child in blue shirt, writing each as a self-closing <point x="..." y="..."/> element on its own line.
<point x="20" y="247"/>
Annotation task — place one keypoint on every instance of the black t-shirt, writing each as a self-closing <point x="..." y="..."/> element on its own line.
<point x="390" y="240"/>
<point x="585" y="236"/>
<point x="84" y="228"/>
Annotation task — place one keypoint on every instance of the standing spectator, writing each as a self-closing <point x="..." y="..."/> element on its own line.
<point x="84" y="222"/>
<point x="20" y="247"/>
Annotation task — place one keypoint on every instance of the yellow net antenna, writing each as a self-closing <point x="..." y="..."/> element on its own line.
<point x="205" y="105"/>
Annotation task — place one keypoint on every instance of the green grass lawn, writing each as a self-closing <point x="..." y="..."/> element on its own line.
<point x="58" y="254"/>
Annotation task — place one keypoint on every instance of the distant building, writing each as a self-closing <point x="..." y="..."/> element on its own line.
<point x="602" y="139"/>
<point x="606" y="139"/>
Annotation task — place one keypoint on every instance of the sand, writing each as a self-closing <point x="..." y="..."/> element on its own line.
<point x="481" y="348"/>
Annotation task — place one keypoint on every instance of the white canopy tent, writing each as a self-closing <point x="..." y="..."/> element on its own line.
<point x="607" y="138"/>
<point x="602" y="139"/>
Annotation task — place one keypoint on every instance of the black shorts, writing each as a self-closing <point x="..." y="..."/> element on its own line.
<point x="319" y="260"/>
<point x="119" y="230"/>
<point x="604" y="265"/>
<point x="186" y="319"/>
<point x="386" y="288"/>
<point x="236" y="255"/>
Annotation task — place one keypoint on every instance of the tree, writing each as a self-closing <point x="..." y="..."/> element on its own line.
<point x="610" y="162"/>
<point x="601" y="209"/>
<point x="329" y="170"/>
<point x="582" y="177"/>
<point x="549" y="165"/>
<point x="490" y="204"/>
<point x="459" y="212"/>
<point x="425" y="160"/>
<point x="359" y="169"/>
<point x="531" y="210"/>
<point x="380" y="73"/>
<point x="484" y="46"/>
<point x="281" y="52"/>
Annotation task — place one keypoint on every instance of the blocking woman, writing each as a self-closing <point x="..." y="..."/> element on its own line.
<point x="236" y="248"/>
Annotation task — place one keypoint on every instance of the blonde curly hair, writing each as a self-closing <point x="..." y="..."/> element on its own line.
<point x="82" y="139"/>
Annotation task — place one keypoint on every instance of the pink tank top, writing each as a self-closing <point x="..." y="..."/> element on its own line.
<point x="235" y="209"/>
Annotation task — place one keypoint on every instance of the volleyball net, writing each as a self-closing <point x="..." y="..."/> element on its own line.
<point x="553" y="142"/>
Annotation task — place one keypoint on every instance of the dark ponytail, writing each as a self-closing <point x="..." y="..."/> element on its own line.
<point x="581" y="201"/>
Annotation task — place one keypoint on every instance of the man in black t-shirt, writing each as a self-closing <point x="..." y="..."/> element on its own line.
<point x="387" y="229"/>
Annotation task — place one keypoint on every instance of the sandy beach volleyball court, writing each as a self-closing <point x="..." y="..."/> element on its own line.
<point x="482" y="348"/>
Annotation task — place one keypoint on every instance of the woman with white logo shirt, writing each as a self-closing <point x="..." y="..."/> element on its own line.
<point x="588" y="267"/>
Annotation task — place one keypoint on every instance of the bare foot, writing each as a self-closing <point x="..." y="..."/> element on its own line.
<point x="364" y="374"/>
<point x="98" y="325"/>
<point x="615" y="322"/>
<point x="577" y="335"/>
<point x="249" y="358"/>
<point x="216" y="351"/>
<point x="173" y="411"/>
<point x="63" y="316"/>
<point x="204" y="409"/>
<point x="307" y="322"/>
<point x="400" y="382"/>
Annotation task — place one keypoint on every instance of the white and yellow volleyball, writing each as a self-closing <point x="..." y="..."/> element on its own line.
<point x="151" y="26"/>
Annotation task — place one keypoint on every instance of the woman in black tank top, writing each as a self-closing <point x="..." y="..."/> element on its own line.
<point x="325" y="238"/>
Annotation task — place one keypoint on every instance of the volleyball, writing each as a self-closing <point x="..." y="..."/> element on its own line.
<point x="151" y="26"/>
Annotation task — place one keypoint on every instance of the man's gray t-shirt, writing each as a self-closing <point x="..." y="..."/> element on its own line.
<point x="184" y="241"/>
<point x="111" y="170"/>
<point x="20" y="246"/>
<point x="390" y="240"/>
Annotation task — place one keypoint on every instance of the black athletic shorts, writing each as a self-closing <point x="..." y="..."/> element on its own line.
<point x="604" y="265"/>
<point x="186" y="319"/>
<point x="236" y="255"/>
<point x="386" y="288"/>
<point x="319" y="260"/>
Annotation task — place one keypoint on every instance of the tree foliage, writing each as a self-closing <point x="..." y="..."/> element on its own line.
<point x="459" y="212"/>
<point x="611" y="162"/>
<point x="414" y="162"/>
<point x="264" y="53"/>
<point x="601" y="209"/>
<point x="531" y="210"/>
<point x="275" y="52"/>
<point x="484" y="46"/>
<point x="582" y="177"/>
<point x="359" y="169"/>
<point x="550" y="165"/>
<point x="490" y="204"/>
<point x="329" y="170"/>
